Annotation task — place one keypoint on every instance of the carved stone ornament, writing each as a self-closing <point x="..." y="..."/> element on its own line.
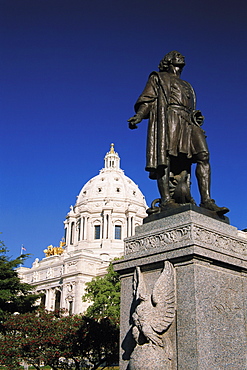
<point x="158" y="240"/>
<point x="153" y="315"/>
<point x="188" y="233"/>
<point x="72" y="263"/>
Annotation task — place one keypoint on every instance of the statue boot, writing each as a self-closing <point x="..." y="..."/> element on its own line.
<point x="210" y="205"/>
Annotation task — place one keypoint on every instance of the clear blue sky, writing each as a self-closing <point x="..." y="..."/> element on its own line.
<point x="70" y="73"/>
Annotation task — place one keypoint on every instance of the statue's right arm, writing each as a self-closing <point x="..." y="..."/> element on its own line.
<point x="142" y="112"/>
<point x="145" y="101"/>
<point x="133" y="121"/>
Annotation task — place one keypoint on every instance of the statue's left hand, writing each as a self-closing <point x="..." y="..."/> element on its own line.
<point x="198" y="117"/>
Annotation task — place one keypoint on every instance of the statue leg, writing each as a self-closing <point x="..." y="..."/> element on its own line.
<point x="163" y="176"/>
<point x="203" y="175"/>
<point x="163" y="185"/>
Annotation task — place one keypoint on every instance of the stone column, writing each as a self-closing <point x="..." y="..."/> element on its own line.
<point x="48" y="299"/>
<point x="128" y="226"/>
<point x="209" y="258"/>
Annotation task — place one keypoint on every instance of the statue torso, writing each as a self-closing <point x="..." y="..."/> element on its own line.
<point x="181" y="93"/>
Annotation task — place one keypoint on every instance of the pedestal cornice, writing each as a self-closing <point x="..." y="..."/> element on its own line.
<point x="184" y="235"/>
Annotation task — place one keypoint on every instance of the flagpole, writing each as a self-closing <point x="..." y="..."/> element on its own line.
<point x="22" y="249"/>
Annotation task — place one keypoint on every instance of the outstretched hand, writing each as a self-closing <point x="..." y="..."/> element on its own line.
<point x="133" y="121"/>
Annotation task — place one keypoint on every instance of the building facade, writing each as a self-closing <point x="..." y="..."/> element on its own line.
<point x="108" y="208"/>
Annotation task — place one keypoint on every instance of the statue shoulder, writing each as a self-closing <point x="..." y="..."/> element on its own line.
<point x="161" y="76"/>
<point x="161" y="79"/>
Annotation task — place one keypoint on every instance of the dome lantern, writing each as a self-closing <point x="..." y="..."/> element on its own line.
<point x="112" y="160"/>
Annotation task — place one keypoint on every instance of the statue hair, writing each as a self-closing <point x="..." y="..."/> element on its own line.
<point x="164" y="63"/>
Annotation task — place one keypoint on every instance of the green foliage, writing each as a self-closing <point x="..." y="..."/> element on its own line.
<point x="104" y="312"/>
<point x="104" y="294"/>
<point x="36" y="337"/>
<point x="101" y="343"/>
<point x="41" y="337"/>
<point x="46" y="337"/>
<point x="15" y="296"/>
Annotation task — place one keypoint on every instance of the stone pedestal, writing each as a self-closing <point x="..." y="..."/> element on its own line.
<point x="210" y="264"/>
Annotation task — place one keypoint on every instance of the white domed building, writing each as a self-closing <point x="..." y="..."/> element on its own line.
<point x="108" y="208"/>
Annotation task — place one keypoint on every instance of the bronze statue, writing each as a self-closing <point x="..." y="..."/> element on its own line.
<point x="175" y="137"/>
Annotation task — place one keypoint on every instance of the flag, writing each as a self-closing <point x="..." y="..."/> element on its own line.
<point x="22" y="248"/>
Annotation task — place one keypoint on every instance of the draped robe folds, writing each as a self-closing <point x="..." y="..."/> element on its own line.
<point x="170" y="129"/>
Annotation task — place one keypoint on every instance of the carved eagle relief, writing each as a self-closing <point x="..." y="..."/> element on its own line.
<point x="154" y="312"/>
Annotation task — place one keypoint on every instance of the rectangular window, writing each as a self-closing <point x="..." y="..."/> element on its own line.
<point x="65" y="235"/>
<point x="97" y="232"/>
<point x="118" y="232"/>
<point x="72" y="233"/>
<point x="83" y="228"/>
<point x="79" y="229"/>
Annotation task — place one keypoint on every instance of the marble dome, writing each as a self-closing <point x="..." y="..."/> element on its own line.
<point x="111" y="184"/>
<point x="108" y="209"/>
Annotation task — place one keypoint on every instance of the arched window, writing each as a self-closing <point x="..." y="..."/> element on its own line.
<point x="70" y="308"/>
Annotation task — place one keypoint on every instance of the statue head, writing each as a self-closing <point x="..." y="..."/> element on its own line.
<point x="173" y="57"/>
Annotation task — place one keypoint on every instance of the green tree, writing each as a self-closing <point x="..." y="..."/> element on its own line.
<point x="104" y="295"/>
<point x="15" y="296"/>
<point x="104" y="312"/>
<point x="100" y="346"/>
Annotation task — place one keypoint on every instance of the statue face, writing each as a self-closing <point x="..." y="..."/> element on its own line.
<point x="178" y="60"/>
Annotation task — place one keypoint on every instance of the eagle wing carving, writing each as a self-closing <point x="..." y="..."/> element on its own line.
<point x="163" y="300"/>
<point x="154" y="312"/>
